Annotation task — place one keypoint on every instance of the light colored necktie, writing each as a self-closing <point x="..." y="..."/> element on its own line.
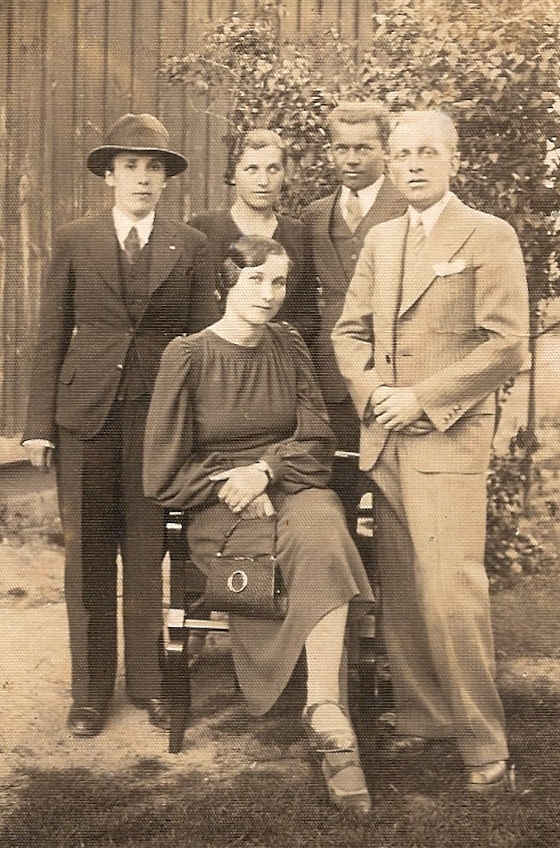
<point x="132" y="245"/>
<point x="416" y="238"/>
<point x="353" y="208"/>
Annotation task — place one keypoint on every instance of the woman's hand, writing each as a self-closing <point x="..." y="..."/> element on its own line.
<point x="261" y="507"/>
<point x="242" y="485"/>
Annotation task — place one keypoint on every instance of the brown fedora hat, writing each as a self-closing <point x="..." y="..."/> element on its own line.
<point x="139" y="134"/>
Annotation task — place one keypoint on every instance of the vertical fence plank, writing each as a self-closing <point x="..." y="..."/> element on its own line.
<point x="61" y="31"/>
<point x="365" y="12"/>
<point x="310" y="23"/>
<point x="347" y="19"/>
<point x="196" y="197"/>
<point x="93" y="94"/>
<point x="329" y="13"/>
<point x="145" y="22"/>
<point x="6" y="75"/>
<point x="217" y="193"/>
<point x="171" y="97"/>
<point x="24" y="255"/>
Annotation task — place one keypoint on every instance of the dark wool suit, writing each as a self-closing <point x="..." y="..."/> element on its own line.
<point x="335" y="251"/>
<point x="102" y="331"/>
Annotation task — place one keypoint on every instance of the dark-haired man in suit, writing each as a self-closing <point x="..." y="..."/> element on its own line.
<point x="120" y="286"/>
<point x="337" y="225"/>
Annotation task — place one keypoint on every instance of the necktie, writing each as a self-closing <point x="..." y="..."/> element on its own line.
<point x="353" y="211"/>
<point x="132" y="245"/>
<point x="416" y="238"/>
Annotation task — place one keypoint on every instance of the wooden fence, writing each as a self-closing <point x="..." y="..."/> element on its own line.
<point x="70" y="68"/>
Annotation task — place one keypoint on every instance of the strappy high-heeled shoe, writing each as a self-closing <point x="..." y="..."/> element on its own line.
<point x="346" y="783"/>
<point x="336" y="739"/>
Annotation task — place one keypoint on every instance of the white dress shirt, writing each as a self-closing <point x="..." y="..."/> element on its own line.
<point x="429" y="217"/>
<point x="124" y="224"/>
<point x="367" y="196"/>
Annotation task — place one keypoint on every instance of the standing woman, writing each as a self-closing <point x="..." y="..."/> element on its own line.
<point x="238" y="429"/>
<point x="259" y="173"/>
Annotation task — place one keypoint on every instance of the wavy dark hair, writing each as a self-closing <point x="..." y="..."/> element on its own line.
<point x="246" y="252"/>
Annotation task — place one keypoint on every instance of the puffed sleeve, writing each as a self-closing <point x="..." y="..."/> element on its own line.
<point x="173" y="472"/>
<point x="305" y="459"/>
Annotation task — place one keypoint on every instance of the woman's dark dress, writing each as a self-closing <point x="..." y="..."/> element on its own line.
<point x="300" y="307"/>
<point x="217" y="405"/>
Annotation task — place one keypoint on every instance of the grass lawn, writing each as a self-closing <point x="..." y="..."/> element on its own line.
<point x="277" y="800"/>
<point x="260" y="787"/>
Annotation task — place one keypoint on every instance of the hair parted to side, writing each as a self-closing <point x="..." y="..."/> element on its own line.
<point x="255" y="139"/>
<point x="429" y="116"/>
<point x="246" y="252"/>
<point x="361" y="112"/>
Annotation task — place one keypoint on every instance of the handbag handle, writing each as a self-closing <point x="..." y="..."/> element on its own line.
<point x="229" y="533"/>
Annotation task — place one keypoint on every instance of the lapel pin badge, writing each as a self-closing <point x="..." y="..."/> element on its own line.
<point x="171" y="247"/>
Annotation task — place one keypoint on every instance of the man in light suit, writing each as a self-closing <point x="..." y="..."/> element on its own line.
<point x="120" y="286"/>
<point x="435" y="320"/>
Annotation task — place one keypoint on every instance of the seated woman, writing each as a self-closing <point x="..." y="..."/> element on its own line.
<point x="259" y="170"/>
<point x="237" y="427"/>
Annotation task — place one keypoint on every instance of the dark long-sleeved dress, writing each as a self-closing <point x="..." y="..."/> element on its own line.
<point x="300" y="307"/>
<point x="217" y="405"/>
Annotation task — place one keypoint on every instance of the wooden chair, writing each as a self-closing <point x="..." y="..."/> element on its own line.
<point x="186" y="615"/>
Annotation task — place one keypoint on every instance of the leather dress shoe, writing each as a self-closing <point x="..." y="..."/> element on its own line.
<point x="158" y="713"/>
<point x="406" y="746"/>
<point x="487" y="778"/>
<point x="86" y="721"/>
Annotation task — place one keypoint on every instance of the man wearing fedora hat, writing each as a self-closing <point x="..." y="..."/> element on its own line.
<point x="120" y="286"/>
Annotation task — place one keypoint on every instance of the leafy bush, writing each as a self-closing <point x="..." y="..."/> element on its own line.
<point x="510" y="550"/>
<point x="493" y="65"/>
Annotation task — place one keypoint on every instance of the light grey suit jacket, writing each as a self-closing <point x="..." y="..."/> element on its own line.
<point x="459" y="332"/>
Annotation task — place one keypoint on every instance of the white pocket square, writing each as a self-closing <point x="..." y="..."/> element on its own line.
<point x="444" y="269"/>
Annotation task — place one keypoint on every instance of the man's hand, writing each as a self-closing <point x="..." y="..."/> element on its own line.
<point x="261" y="507"/>
<point x="242" y="485"/>
<point x="39" y="454"/>
<point x="395" y="408"/>
<point x="419" y="427"/>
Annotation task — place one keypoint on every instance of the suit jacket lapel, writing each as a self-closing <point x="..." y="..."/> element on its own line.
<point x="452" y="229"/>
<point x="388" y="275"/>
<point x="103" y="248"/>
<point x="330" y="267"/>
<point x="165" y="251"/>
<point x="388" y="204"/>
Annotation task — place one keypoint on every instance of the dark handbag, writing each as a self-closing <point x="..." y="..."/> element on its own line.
<point x="248" y="584"/>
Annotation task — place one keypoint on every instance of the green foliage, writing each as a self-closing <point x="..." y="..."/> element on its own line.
<point x="492" y="65"/>
<point x="266" y="86"/>
<point x="511" y="551"/>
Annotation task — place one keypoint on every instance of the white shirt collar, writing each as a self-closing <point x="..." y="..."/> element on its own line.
<point x="367" y="195"/>
<point x="429" y="216"/>
<point x="123" y="225"/>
